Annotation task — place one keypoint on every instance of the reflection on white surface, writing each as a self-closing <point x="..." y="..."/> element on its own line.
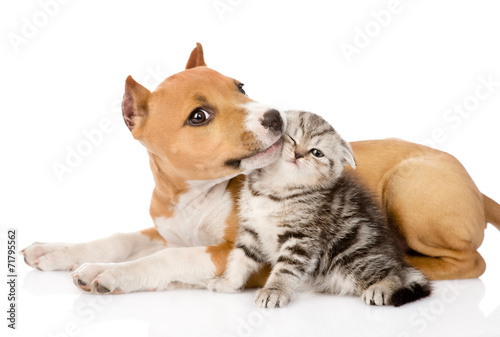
<point x="50" y="305"/>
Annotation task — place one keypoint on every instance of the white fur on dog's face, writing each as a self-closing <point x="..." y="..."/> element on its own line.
<point x="271" y="141"/>
<point x="255" y="113"/>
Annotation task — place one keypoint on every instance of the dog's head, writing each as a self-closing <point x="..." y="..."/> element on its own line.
<point x="201" y="125"/>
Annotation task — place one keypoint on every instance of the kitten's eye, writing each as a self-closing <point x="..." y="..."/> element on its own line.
<point x="198" y="117"/>
<point x="240" y="88"/>
<point x="317" y="153"/>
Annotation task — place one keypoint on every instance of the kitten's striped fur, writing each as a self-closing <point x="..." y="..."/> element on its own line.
<point x="317" y="226"/>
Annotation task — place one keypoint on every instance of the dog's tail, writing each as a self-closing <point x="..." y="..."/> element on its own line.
<point x="415" y="287"/>
<point x="492" y="211"/>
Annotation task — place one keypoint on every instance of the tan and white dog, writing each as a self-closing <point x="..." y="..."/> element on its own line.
<point x="202" y="133"/>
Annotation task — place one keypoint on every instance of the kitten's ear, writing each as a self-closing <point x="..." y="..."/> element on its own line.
<point x="348" y="155"/>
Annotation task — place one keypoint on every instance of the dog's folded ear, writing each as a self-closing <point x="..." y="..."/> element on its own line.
<point x="135" y="103"/>
<point x="196" y="58"/>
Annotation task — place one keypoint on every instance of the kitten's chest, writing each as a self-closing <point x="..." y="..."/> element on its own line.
<point x="269" y="219"/>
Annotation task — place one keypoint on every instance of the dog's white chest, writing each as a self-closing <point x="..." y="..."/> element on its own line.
<point x="199" y="218"/>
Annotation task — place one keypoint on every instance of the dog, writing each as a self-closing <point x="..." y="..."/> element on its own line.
<point x="202" y="133"/>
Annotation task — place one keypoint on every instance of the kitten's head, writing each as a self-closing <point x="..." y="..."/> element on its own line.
<point x="313" y="154"/>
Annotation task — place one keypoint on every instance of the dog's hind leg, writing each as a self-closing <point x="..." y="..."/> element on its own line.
<point x="439" y="211"/>
<point x="116" y="248"/>
<point x="470" y="265"/>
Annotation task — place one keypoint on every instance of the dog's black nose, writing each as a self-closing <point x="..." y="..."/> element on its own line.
<point x="272" y="120"/>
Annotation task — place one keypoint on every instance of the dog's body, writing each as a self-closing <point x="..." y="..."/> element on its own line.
<point x="433" y="202"/>
<point x="201" y="133"/>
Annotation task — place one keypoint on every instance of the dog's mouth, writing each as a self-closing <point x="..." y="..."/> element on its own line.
<point x="259" y="159"/>
<point x="269" y="151"/>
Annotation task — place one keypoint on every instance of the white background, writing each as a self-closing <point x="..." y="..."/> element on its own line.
<point x="68" y="76"/>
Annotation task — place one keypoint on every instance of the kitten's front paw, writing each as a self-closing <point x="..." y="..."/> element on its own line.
<point x="222" y="285"/>
<point x="272" y="298"/>
<point x="376" y="295"/>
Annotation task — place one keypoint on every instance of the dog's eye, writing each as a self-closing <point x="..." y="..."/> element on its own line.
<point x="198" y="117"/>
<point x="317" y="153"/>
<point x="240" y="88"/>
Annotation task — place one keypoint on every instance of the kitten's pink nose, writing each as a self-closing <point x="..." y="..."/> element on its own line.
<point x="298" y="155"/>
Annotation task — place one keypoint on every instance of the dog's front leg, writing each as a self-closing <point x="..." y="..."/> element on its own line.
<point x="187" y="265"/>
<point x="116" y="248"/>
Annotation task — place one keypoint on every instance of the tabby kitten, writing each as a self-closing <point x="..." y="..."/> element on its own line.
<point x="317" y="226"/>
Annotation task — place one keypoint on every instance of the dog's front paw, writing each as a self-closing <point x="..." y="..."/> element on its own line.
<point x="102" y="278"/>
<point x="52" y="256"/>
<point x="272" y="298"/>
<point x="223" y="285"/>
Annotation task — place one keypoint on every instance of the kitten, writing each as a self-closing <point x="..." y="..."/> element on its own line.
<point x="317" y="226"/>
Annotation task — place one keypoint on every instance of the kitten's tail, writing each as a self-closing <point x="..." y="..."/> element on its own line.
<point x="492" y="211"/>
<point x="415" y="287"/>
